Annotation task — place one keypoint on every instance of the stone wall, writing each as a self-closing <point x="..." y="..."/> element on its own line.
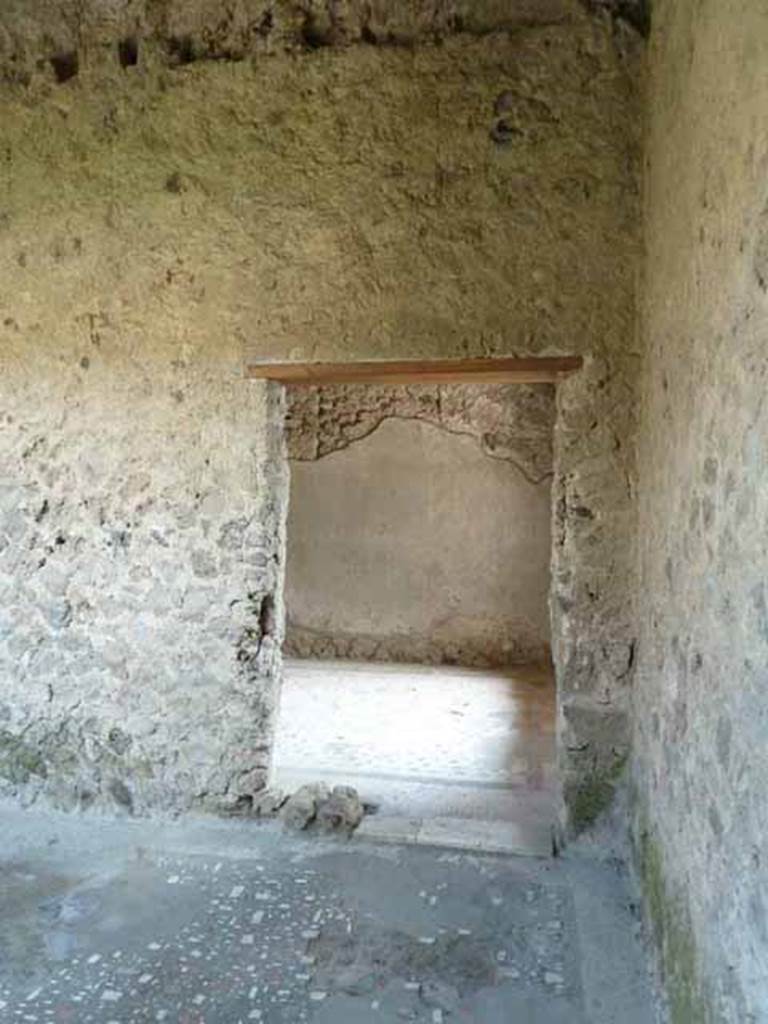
<point x="701" y="704"/>
<point x="139" y="553"/>
<point x="179" y="187"/>
<point x="419" y="523"/>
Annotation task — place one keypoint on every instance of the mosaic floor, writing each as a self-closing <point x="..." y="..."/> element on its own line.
<point x="124" y="922"/>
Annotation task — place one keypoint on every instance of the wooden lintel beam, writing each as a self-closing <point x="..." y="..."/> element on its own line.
<point x="505" y="370"/>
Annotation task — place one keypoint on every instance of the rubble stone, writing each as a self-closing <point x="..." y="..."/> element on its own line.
<point x="301" y="808"/>
<point x="342" y="811"/>
<point x="268" y="803"/>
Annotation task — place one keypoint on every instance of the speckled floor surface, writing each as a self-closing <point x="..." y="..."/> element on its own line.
<point x="203" y="922"/>
<point x="426" y="741"/>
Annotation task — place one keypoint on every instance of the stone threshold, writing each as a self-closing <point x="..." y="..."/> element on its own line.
<point x="468" y="835"/>
<point x="32" y="828"/>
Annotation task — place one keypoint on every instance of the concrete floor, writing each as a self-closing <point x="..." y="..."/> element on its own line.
<point x="423" y="741"/>
<point x="202" y="922"/>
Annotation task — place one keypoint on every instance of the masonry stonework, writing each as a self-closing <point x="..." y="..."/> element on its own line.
<point x="178" y="190"/>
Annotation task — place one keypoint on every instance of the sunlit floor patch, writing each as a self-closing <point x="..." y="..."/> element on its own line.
<point x="421" y="741"/>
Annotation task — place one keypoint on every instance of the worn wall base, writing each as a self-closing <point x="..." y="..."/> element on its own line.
<point x="475" y="651"/>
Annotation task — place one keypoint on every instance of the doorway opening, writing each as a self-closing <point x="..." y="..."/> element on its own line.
<point x="417" y="650"/>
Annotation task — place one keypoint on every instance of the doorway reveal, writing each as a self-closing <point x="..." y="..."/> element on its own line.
<point x="417" y="632"/>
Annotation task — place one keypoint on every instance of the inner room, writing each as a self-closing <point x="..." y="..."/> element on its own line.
<point x="417" y="646"/>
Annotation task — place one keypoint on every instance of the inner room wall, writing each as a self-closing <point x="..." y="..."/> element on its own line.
<point x="419" y="523"/>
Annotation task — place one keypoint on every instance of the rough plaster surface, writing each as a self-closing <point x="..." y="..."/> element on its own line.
<point x="700" y="700"/>
<point x="477" y="196"/>
<point x="512" y="422"/>
<point x="39" y="38"/>
<point x="413" y="546"/>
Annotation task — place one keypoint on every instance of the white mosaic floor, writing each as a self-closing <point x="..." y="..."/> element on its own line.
<point x="423" y="741"/>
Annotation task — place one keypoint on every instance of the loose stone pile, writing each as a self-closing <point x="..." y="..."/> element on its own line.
<point x="330" y="810"/>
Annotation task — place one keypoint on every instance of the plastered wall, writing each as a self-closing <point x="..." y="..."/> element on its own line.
<point x="701" y="705"/>
<point x="419" y="523"/>
<point x="264" y="185"/>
